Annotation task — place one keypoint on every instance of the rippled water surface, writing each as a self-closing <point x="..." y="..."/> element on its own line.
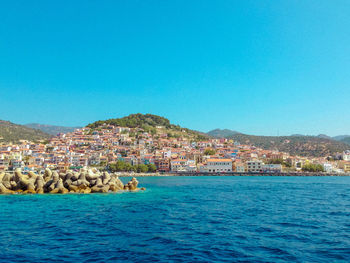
<point x="184" y="219"/>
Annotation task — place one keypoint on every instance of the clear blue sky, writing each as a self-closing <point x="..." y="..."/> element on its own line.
<point x="259" y="67"/>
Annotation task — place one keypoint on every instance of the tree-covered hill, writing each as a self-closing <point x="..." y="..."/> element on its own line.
<point x="134" y="121"/>
<point x="222" y="133"/>
<point x="10" y="132"/>
<point x="295" y="145"/>
<point x="51" y="129"/>
<point x="150" y="123"/>
<point x="346" y="140"/>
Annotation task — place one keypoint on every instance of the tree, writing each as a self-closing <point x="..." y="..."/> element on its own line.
<point x="103" y="163"/>
<point x="152" y="168"/>
<point x="310" y="167"/>
<point x="279" y="161"/>
<point x="276" y="161"/>
<point x="142" y="168"/>
<point x="26" y="159"/>
<point x="128" y="167"/>
<point x="153" y="131"/>
<point x="120" y="166"/>
<point x="209" y="151"/>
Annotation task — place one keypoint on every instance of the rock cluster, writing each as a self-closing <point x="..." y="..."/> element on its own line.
<point x="85" y="181"/>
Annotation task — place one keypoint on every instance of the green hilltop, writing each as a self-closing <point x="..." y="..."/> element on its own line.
<point x="150" y="123"/>
<point x="135" y="121"/>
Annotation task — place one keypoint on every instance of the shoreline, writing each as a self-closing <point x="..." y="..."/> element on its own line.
<point x="126" y="174"/>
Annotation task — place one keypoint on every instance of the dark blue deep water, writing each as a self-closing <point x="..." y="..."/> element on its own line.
<point x="184" y="219"/>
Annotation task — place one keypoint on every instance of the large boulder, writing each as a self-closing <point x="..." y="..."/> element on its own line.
<point x="47" y="175"/>
<point x="30" y="187"/>
<point x="99" y="187"/>
<point x="131" y="185"/>
<point x="105" y="178"/>
<point x="115" y="184"/>
<point x="1" y="176"/>
<point x="39" y="184"/>
<point x="4" y="190"/>
<point x="6" y="181"/>
<point x="59" y="188"/>
<point x="91" y="175"/>
<point x="51" y="184"/>
<point x="81" y="181"/>
<point x="32" y="175"/>
<point x="23" y="181"/>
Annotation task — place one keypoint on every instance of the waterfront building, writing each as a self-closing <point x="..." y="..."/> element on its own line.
<point x="299" y="164"/>
<point x="328" y="167"/>
<point x="217" y="166"/>
<point x="272" y="168"/>
<point x="182" y="165"/>
<point x="239" y="168"/>
<point x="163" y="165"/>
<point x="254" y="166"/>
<point x="84" y="147"/>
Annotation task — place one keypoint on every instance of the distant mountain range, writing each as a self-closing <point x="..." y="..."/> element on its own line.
<point x="342" y="138"/>
<point x="51" y="129"/>
<point x="339" y="138"/>
<point x="296" y="144"/>
<point x="10" y="132"/>
<point x="219" y="133"/>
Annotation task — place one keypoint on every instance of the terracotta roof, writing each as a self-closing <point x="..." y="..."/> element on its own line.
<point x="219" y="160"/>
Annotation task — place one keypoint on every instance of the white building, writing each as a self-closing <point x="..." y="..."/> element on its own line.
<point x="254" y="166"/>
<point x="272" y="168"/>
<point x="240" y="168"/>
<point x="183" y="165"/>
<point x="121" y="129"/>
<point x="346" y="156"/>
<point x="299" y="164"/>
<point x="217" y="166"/>
<point x="328" y="167"/>
<point x="94" y="160"/>
<point x="167" y="154"/>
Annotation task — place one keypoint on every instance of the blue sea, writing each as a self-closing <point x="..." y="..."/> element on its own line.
<point x="184" y="219"/>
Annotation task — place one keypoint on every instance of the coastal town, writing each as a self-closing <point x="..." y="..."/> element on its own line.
<point x="124" y="149"/>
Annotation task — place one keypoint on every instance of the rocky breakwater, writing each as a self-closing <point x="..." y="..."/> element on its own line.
<point x="85" y="181"/>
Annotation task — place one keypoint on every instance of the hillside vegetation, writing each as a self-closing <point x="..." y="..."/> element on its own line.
<point x="10" y="132"/>
<point x="150" y="123"/>
<point x="295" y="145"/>
<point x="222" y="133"/>
<point x="346" y="140"/>
<point x="51" y="129"/>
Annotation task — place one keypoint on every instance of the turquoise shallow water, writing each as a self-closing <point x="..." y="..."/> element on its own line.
<point x="184" y="219"/>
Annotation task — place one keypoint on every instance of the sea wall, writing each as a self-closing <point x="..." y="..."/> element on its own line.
<point x="84" y="181"/>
